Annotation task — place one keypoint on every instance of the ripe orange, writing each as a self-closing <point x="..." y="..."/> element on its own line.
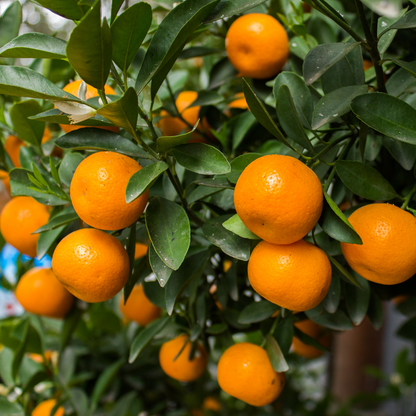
<point x="388" y="252"/>
<point x="92" y="265"/>
<point x="50" y="357"/>
<point x="73" y="88"/>
<point x="45" y="409"/>
<point x="239" y="102"/>
<point x="140" y="250"/>
<point x="257" y="45"/>
<point x="98" y="191"/>
<point x="295" y="276"/>
<point x="278" y="198"/>
<point x="182" y="368"/>
<point x="138" y="307"/>
<point x="211" y="403"/>
<point x="245" y="372"/>
<point x="315" y="331"/>
<point x="12" y="147"/>
<point x="40" y="293"/>
<point x="367" y="64"/>
<point x="20" y="217"/>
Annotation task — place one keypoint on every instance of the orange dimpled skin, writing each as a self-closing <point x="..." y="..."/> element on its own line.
<point x="92" y="265"/>
<point x="181" y="368"/>
<point x="388" y="253"/>
<point x="245" y="372"/>
<point x="20" y="217"/>
<point x="40" y="293"/>
<point x="257" y="45"/>
<point x="278" y="198"/>
<point x="45" y="409"/>
<point x="138" y="307"/>
<point x="98" y="191"/>
<point x="295" y="276"/>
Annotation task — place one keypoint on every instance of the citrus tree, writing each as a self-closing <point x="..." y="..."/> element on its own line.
<point x="242" y="171"/>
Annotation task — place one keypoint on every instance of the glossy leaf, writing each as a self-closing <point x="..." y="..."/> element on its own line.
<point x="165" y="143"/>
<point x="235" y="225"/>
<point x="387" y="38"/>
<point x="408" y="21"/>
<point x="335" y="104"/>
<point x="388" y="115"/>
<point x="332" y="299"/>
<point x="89" y="48"/>
<point x="357" y="300"/>
<point x="34" y="45"/>
<point x="391" y="8"/>
<point x="239" y="164"/>
<point x="364" y="181"/>
<point x="47" y="239"/>
<point x="169" y="230"/>
<point x="115" y="7"/>
<point x="257" y="312"/>
<point x="275" y="355"/>
<point x="227" y="8"/>
<point x="69" y="9"/>
<point x="337" y="320"/>
<point x="8" y="408"/>
<point x="142" y="180"/>
<point x="123" y="112"/>
<point x="201" y="158"/>
<point x="242" y="124"/>
<point x="404" y="153"/>
<point x="67" y="167"/>
<point x="98" y="139"/>
<point x="343" y="272"/>
<point x="299" y="46"/>
<point x="171" y="35"/>
<point x="198" y="51"/>
<point x="375" y="311"/>
<point x="57" y="222"/>
<point x="159" y="268"/>
<point x="230" y="243"/>
<point x="207" y="98"/>
<point x="323" y="57"/>
<point x="128" y="32"/>
<point x="216" y="182"/>
<point x="222" y="72"/>
<point x="10" y="23"/>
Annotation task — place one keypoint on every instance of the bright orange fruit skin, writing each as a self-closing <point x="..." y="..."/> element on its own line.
<point x="98" y="191"/>
<point x="388" y="253"/>
<point x="239" y="102"/>
<point x="92" y="265"/>
<point x="40" y="293"/>
<point x="278" y="198"/>
<point x="257" y="45"/>
<point x="73" y="88"/>
<point x="315" y="331"/>
<point x="182" y="369"/>
<point x="12" y="147"/>
<point x="245" y="372"/>
<point x="138" y="307"/>
<point x="45" y="409"/>
<point x="295" y="276"/>
<point x="20" y="217"/>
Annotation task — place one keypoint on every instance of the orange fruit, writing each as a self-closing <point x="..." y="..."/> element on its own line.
<point x="47" y="135"/>
<point x="239" y="102"/>
<point x="211" y="403"/>
<point x="306" y="8"/>
<point x="315" y="331"/>
<point x="6" y="180"/>
<point x="387" y="255"/>
<point x="294" y="276"/>
<point x="399" y="299"/>
<point x="92" y="265"/>
<point x="49" y="356"/>
<point x="73" y="88"/>
<point x="45" y="409"/>
<point x="245" y="372"/>
<point x="138" y="307"/>
<point x="278" y="198"/>
<point x="40" y="293"/>
<point x="20" y="217"/>
<point x="182" y="368"/>
<point x="12" y="147"/>
<point x="257" y="45"/>
<point x="140" y="250"/>
<point x="98" y="191"/>
<point x="367" y="64"/>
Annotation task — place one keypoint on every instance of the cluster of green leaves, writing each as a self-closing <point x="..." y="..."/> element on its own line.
<point x="356" y="131"/>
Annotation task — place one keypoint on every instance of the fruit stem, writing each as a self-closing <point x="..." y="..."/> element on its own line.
<point x="408" y="198"/>
<point x="272" y="329"/>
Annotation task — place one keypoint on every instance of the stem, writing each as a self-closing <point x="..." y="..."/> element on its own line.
<point x="117" y="77"/>
<point x="149" y="123"/>
<point x="330" y="146"/>
<point x="102" y="96"/>
<point x="364" y="22"/>
<point x="408" y="198"/>
<point x="374" y="25"/>
<point x="272" y="329"/>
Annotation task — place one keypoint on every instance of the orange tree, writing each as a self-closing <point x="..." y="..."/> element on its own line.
<point x="280" y="108"/>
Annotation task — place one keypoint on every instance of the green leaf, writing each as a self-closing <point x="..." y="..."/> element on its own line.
<point x="69" y="9"/>
<point x="216" y="182"/>
<point x="30" y="131"/>
<point x="128" y="32"/>
<point x="332" y="299"/>
<point x="227" y="241"/>
<point x="343" y="272"/>
<point x="169" y="230"/>
<point x="337" y="320"/>
<point x="388" y="115"/>
<point x="207" y="98"/>
<point x="239" y="164"/>
<point x="123" y="112"/>
<point x="9" y="408"/>
<point x="300" y="47"/>
<point x="261" y="114"/>
<point x="335" y="104"/>
<point x="235" y="225"/>
<point x="171" y="35"/>
<point x="257" y="312"/>
<point x="201" y="158"/>
<point x="222" y="72"/>
<point x="308" y="340"/>
<point x="67" y="167"/>
<point x="140" y="266"/>
<point x="201" y="192"/>
<point x="10" y="23"/>
<point x="375" y="311"/>
<point x="323" y="57"/>
<point x="159" y="268"/>
<point x="385" y="34"/>
<point x="391" y="8"/>
<point x="399" y="82"/>
<point x="408" y="21"/>
<point x="145" y="336"/>
<point x="165" y="143"/>
<point x="335" y="224"/>
<point x="216" y="329"/>
<point x="98" y="139"/>
<point x="289" y="119"/>
<point x="23" y="82"/>
<point x="89" y="48"/>
<point x="34" y="45"/>
<point x="364" y="181"/>
<point x="115" y="7"/>
<point x="404" y="153"/>
<point x="227" y="8"/>
<point x="300" y="94"/>
<point x="357" y="300"/>
<point x="142" y="180"/>
<point x="242" y="124"/>
<point x="276" y="357"/>
<point x="57" y="222"/>
<point x="47" y="239"/>
<point x="198" y="51"/>
<point x="408" y="329"/>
